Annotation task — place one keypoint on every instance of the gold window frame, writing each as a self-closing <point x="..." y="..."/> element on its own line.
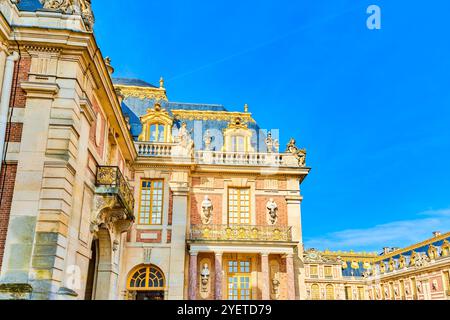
<point x="150" y="273"/>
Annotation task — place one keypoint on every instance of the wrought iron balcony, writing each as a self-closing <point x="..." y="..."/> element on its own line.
<point x="240" y="233"/>
<point x="171" y="150"/>
<point x="111" y="182"/>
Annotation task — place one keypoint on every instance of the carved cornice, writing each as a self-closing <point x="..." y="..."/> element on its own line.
<point x="142" y="92"/>
<point x="212" y="115"/>
<point x="79" y="7"/>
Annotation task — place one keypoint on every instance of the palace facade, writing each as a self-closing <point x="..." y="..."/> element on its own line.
<point x="109" y="190"/>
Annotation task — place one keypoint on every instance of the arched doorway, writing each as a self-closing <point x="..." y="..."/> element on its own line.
<point x="101" y="272"/>
<point x="92" y="272"/>
<point x="315" y="292"/>
<point x="146" y="283"/>
<point x="330" y="292"/>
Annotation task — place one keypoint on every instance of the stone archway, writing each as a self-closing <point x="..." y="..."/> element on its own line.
<point x="106" y="275"/>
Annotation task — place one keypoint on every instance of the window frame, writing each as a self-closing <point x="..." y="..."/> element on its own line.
<point x="150" y="217"/>
<point x="239" y="216"/>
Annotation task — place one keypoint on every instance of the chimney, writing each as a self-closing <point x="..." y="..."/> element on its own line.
<point x="437" y="234"/>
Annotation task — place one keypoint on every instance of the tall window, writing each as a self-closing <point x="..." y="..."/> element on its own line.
<point x="151" y="202"/>
<point x="330" y="292"/>
<point x="328" y="272"/>
<point x="238" y="144"/>
<point x="238" y="206"/>
<point x="239" y="277"/>
<point x="314" y="271"/>
<point x="348" y="293"/>
<point x="360" y="293"/>
<point x="315" y="292"/>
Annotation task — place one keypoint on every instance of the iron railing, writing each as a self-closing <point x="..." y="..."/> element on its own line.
<point x="109" y="180"/>
<point x="240" y="233"/>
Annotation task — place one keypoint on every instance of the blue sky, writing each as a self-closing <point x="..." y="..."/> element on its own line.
<point x="372" y="107"/>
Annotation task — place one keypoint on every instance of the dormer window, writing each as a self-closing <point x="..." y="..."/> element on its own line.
<point x="237" y="137"/>
<point x="156" y="126"/>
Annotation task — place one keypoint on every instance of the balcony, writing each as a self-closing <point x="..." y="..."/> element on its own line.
<point x="172" y="150"/>
<point x="111" y="183"/>
<point x="240" y="233"/>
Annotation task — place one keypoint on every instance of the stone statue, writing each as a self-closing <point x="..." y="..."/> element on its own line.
<point x="62" y="5"/>
<point x="208" y="141"/>
<point x="207" y="210"/>
<point x="300" y="154"/>
<point x="185" y="141"/>
<point x="272" y="144"/>
<point x="275" y="287"/>
<point x="205" y="277"/>
<point x="272" y="211"/>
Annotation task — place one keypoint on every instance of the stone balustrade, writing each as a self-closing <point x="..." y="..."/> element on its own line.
<point x="173" y="150"/>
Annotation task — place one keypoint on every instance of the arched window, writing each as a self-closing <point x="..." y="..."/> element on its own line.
<point x="237" y="137"/>
<point x="315" y="292"/>
<point x="146" y="278"/>
<point x="156" y="126"/>
<point x="330" y="292"/>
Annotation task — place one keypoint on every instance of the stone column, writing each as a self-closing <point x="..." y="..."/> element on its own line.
<point x="290" y="276"/>
<point x="294" y="220"/>
<point x="219" y="275"/>
<point x="265" y="276"/>
<point x="178" y="257"/>
<point x="193" y="276"/>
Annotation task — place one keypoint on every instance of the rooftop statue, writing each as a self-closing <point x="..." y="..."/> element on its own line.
<point x="300" y="154"/>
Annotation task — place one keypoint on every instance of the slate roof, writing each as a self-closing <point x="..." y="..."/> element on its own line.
<point x="29" y="5"/>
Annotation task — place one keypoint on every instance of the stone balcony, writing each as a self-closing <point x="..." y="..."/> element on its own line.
<point x="245" y="233"/>
<point x="111" y="183"/>
<point x="172" y="151"/>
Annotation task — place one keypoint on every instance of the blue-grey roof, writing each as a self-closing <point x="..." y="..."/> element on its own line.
<point x="349" y="271"/>
<point x="29" y="5"/>
<point x="134" y="108"/>
<point x="132" y="82"/>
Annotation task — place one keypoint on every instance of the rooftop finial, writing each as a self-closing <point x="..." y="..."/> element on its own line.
<point x="161" y="83"/>
<point x="246" y="108"/>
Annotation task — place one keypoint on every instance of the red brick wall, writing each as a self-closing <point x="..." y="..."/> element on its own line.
<point x="101" y="146"/>
<point x="261" y="211"/>
<point x="8" y="176"/>
<point x="196" y="208"/>
<point x="170" y="208"/>
<point x="18" y="95"/>
<point x="14" y="132"/>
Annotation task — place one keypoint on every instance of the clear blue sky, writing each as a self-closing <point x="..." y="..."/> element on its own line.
<point x="371" y="107"/>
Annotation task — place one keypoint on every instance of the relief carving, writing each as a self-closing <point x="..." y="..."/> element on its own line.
<point x="272" y="212"/>
<point x="207" y="210"/>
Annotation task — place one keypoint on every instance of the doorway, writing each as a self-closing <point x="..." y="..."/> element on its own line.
<point x="92" y="271"/>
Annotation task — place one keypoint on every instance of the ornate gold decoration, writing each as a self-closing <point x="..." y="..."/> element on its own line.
<point x="212" y="115"/>
<point x="432" y="252"/>
<point x="156" y="116"/>
<point x="237" y="129"/>
<point x="445" y="249"/>
<point x="110" y="181"/>
<point x="143" y="92"/>
<point x="402" y="262"/>
<point x="240" y="233"/>
<point x="391" y="265"/>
